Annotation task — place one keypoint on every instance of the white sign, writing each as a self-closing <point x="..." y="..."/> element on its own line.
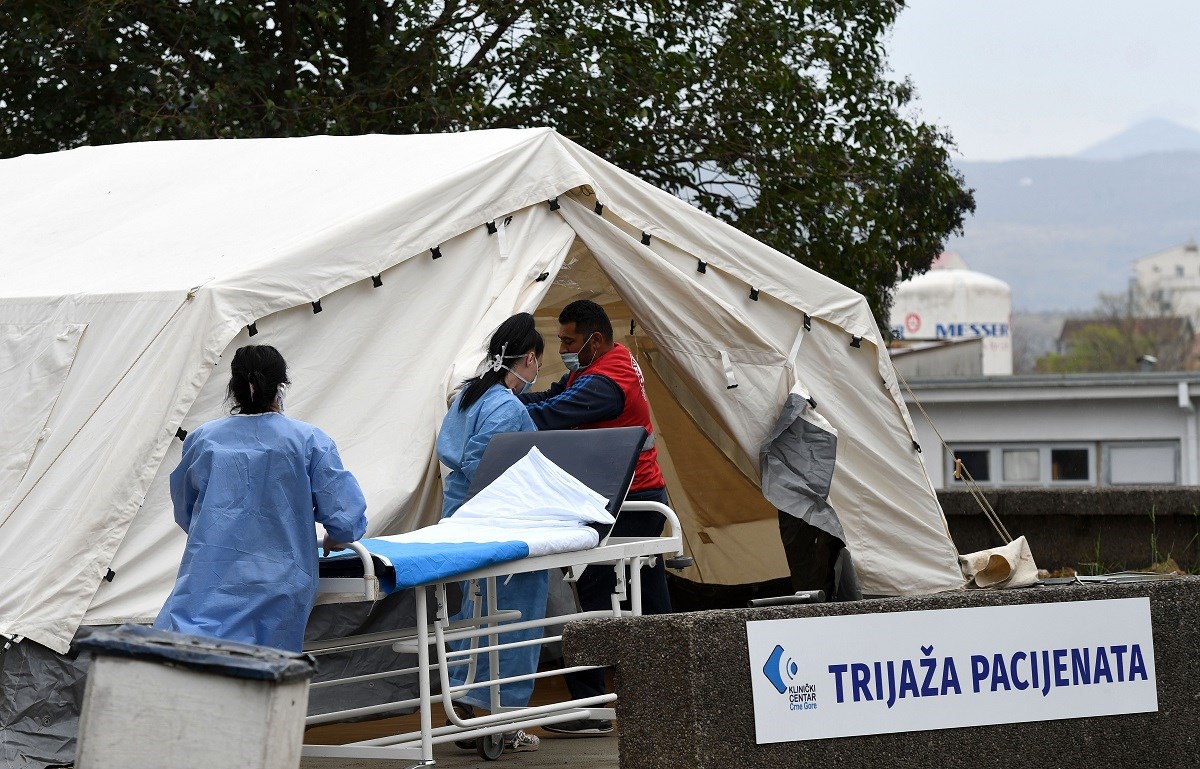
<point x="819" y="677"/>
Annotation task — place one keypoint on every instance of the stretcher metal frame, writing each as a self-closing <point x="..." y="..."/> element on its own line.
<point x="618" y="553"/>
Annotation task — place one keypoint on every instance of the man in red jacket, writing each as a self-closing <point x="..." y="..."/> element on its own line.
<point x="603" y="387"/>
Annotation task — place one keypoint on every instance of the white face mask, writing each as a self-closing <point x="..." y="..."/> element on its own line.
<point x="528" y="383"/>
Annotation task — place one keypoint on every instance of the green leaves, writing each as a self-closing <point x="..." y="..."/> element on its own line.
<point x="779" y="117"/>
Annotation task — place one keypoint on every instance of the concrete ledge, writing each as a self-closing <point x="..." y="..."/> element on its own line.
<point x="685" y="696"/>
<point x="1091" y="530"/>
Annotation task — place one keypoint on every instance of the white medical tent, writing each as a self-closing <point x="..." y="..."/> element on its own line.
<point x="379" y="266"/>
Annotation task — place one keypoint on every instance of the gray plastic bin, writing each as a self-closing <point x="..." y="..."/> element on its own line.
<point x="156" y="699"/>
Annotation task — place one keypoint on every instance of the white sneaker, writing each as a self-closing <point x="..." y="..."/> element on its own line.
<point x="520" y="742"/>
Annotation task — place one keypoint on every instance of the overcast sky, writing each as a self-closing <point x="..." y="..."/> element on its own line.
<point x="1022" y="78"/>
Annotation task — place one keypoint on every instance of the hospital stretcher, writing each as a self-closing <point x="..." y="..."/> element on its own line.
<point x="603" y="460"/>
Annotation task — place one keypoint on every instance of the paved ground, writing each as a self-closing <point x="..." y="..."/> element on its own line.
<point x="596" y="752"/>
<point x="583" y="752"/>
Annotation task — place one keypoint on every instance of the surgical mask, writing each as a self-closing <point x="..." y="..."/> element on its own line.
<point x="528" y="382"/>
<point x="571" y="359"/>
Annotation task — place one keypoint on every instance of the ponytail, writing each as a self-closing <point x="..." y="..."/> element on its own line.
<point x="515" y="339"/>
<point x="257" y="372"/>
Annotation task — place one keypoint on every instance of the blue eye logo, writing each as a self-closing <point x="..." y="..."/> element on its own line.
<point x="776" y="668"/>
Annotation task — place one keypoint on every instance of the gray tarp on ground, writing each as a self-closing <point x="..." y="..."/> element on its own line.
<point x="41" y="692"/>
<point x="339" y="620"/>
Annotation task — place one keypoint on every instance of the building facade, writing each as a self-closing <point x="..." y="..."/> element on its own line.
<point x="1168" y="283"/>
<point x="1061" y="431"/>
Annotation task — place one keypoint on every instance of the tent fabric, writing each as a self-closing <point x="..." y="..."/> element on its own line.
<point x="162" y="254"/>
<point x="1011" y="565"/>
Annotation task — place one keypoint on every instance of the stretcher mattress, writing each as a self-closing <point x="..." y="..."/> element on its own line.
<point x="533" y="508"/>
<point x="439" y="552"/>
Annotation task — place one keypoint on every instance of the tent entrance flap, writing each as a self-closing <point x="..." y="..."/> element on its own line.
<point x="712" y="483"/>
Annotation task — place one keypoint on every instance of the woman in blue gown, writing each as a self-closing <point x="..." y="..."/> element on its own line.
<point x="486" y="406"/>
<point x="248" y="491"/>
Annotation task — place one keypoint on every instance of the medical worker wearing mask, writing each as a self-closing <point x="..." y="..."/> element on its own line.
<point x="487" y="406"/>
<point x="603" y="387"/>
<point x="248" y="491"/>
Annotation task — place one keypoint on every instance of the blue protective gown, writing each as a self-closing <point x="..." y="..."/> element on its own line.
<point x="465" y="434"/>
<point x="247" y="492"/>
<point x="460" y="444"/>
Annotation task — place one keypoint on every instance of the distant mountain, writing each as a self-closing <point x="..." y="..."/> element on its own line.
<point x="1143" y="139"/>
<point x="1060" y="231"/>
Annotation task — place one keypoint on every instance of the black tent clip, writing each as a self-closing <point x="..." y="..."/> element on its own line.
<point x="856" y="341"/>
<point x="753" y="294"/>
<point x="599" y="208"/>
<point x="632" y="326"/>
<point x="645" y="238"/>
<point x="377" y="280"/>
<point x="252" y="329"/>
<point x="316" y="306"/>
<point x="542" y="277"/>
<point x="491" y="227"/>
<point x="181" y="433"/>
<point x="436" y="251"/>
<point x="553" y="204"/>
<point x="812" y="402"/>
<point x="701" y="265"/>
<point x="110" y="576"/>
<point x="917" y="446"/>
<point x="807" y="322"/>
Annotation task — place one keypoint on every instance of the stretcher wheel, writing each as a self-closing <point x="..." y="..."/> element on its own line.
<point x="490" y="747"/>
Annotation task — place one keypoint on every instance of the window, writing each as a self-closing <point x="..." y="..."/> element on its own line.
<point x="1021" y="465"/>
<point x="1179" y="270"/>
<point x="1069" y="465"/>
<point x="1142" y="463"/>
<point x="1044" y="464"/>
<point x="976" y="462"/>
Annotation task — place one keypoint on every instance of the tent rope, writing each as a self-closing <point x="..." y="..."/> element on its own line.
<point x="960" y="470"/>
<point x="191" y="295"/>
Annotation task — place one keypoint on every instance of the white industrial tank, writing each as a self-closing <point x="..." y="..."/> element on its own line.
<point x="951" y="302"/>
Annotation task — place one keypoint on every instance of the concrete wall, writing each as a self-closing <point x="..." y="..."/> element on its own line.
<point x="1093" y="531"/>
<point x="685" y="703"/>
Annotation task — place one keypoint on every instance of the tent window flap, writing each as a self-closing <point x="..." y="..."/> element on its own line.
<point x="34" y="362"/>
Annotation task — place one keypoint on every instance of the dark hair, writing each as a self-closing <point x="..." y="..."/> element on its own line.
<point x="259" y="365"/>
<point x="515" y="338"/>
<point x="589" y="318"/>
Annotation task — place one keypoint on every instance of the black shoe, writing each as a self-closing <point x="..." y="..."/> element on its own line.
<point x="463" y="711"/>
<point x="583" y="726"/>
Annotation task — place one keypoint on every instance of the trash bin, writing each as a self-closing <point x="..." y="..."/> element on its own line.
<point x="161" y="700"/>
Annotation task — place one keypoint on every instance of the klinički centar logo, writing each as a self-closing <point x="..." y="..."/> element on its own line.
<point x="782" y="673"/>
